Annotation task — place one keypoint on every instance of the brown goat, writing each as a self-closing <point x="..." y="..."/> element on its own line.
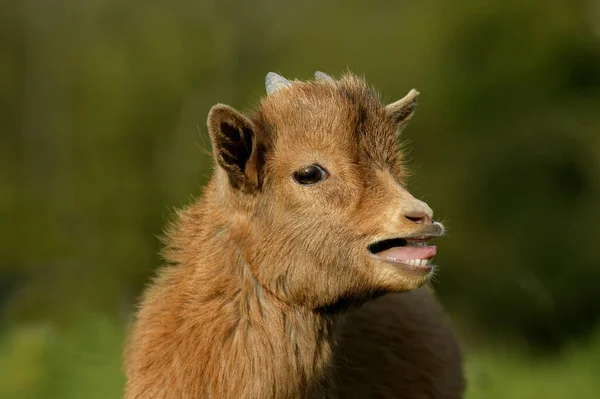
<point x="297" y="274"/>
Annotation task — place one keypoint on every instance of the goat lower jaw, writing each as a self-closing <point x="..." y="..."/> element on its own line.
<point x="419" y="267"/>
<point x="411" y="262"/>
<point x="415" y="257"/>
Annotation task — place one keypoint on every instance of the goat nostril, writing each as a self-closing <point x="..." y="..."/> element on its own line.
<point x="418" y="217"/>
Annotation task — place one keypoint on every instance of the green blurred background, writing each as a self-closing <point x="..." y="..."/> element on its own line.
<point x="102" y="135"/>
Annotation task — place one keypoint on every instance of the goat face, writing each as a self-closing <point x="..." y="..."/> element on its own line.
<point x="317" y="177"/>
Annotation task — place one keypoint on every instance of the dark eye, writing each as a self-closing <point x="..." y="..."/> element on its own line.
<point x="310" y="174"/>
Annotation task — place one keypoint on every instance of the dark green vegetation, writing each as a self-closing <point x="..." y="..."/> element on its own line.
<point x="102" y="134"/>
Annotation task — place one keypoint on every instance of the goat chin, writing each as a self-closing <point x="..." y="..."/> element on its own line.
<point x="302" y="270"/>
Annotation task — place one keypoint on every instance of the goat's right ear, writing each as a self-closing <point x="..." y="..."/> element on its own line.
<point x="232" y="136"/>
<point x="402" y="110"/>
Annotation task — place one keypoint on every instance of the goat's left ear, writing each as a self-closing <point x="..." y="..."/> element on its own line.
<point x="402" y="110"/>
<point x="232" y="135"/>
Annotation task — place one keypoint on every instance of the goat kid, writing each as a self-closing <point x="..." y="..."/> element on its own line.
<point x="299" y="273"/>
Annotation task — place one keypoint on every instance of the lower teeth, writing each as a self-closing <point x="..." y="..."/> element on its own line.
<point x="413" y="262"/>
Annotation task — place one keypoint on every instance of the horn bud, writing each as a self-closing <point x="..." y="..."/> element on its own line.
<point x="323" y="76"/>
<point x="275" y="82"/>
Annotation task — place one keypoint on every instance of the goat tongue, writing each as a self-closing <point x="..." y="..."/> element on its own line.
<point x="408" y="252"/>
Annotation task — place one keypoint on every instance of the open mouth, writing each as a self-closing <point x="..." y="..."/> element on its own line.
<point x="413" y="252"/>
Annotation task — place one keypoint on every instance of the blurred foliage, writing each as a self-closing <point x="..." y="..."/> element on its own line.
<point x="41" y="361"/>
<point x="102" y="134"/>
<point x="505" y="371"/>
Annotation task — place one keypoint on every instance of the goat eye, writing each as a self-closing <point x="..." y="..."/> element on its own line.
<point x="310" y="175"/>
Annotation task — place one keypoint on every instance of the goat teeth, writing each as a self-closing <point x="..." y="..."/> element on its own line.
<point x="412" y="262"/>
<point x="417" y="262"/>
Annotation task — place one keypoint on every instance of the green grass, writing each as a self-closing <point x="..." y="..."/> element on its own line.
<point x="43" y="362"/>
<point x="507" y="373"/>
<point x="84" y="361"/>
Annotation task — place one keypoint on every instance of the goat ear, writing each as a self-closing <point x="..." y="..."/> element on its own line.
<point x="402" y="110"/>
<point x="232" y="135"/>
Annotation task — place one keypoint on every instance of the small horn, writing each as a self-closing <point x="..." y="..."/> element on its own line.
<point x="403" y="109"/>
<point x="274" y="82"/>
<point x="323" y="76"/>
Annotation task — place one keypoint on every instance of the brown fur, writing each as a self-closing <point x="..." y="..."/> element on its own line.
<point x="265" y="280"/>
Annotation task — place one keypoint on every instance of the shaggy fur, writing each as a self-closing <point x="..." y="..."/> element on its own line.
<point x="269" y="289"/>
